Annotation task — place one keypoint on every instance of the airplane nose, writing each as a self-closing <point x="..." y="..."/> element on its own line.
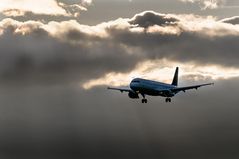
<point x="133" y="85"/>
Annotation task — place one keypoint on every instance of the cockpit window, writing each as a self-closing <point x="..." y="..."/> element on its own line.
<point x="136" y="81"/>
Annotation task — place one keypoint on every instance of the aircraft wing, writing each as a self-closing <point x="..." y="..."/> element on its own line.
<point x="178" y="89"/>
<point x="121" y="89"/>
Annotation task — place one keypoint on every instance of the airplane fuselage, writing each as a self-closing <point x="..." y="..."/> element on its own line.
<point x="149" y="87"/>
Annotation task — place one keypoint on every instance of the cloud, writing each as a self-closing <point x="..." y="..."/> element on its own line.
<point x="150" y="18"/>
<point x="207" y="4"/>
<point x="164" y="73"/>
<point x="68" y="52"/>
<point x="44" y="54"/>
<point x="44" y="114"/>
<point x="65" y="121"/>
<point x="86" y="2"/>
<point x="19" y="7"/>
<point x="75" y="9"/>
<point x="44" y="7"/>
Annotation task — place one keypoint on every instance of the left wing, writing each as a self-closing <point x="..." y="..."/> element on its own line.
<point x="121" y="89"/>
<point x="178" y="89"/>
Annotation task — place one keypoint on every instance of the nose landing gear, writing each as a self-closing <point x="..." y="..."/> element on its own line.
<point x="168" y="100"/>
<point x="144" y="100"/>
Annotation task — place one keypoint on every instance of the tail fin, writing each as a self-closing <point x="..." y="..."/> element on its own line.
<point x="175" y="78"/>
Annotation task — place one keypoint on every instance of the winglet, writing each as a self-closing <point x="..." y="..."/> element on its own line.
<point x="175" y="78"/>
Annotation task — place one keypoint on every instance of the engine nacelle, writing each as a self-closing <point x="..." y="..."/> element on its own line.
<point x="133" y="95"/>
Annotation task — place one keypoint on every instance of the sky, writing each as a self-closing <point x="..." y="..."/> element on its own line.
<point x="57" y="58"/>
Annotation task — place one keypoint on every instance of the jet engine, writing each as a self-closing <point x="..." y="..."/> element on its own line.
<point x="133" y="95"/>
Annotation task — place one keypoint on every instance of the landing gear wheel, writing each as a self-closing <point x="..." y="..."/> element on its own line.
<point x="144" y="100"/>
<point x="168" y="100"/>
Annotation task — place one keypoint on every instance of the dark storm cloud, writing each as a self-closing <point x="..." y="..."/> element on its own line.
<point x="148" y="19"/>
<point x="41" y="17"/>
<point x="184" y="47"/>
<point x="71" y="52"/>
<point x="219" y="43"/>
<point x="41" y="58"/>
<point x="64" y="122"/>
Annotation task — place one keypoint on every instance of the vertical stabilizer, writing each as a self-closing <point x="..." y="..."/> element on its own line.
<point x="175" y="78"/>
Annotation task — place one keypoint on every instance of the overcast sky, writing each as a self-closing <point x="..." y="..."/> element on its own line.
<point x="58" y="57"/>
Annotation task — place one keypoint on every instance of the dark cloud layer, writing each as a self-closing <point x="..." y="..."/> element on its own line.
<point x="38" y="57"/>
<point x="148" y="19"/>
<point x="41" y="17"/>
<point x="184" y="47"/>
<point x="72" y="54"/>
<point x="67" y="122"/>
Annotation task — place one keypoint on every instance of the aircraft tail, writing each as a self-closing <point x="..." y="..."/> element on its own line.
<point x="175" y="78"/>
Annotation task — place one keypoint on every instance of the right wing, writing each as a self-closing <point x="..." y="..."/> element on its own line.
<point x="121" y="89"/>
<point x="178" y="89"/>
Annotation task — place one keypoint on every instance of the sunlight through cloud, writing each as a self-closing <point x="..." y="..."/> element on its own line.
<point x="43" y="7"/>
<point x="162" y="70"/>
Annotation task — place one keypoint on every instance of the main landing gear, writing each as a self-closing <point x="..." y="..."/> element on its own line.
<point x="168" y="100"/>
<point x="144" y="100"/>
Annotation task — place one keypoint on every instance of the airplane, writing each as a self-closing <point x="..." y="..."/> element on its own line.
<point x="153" y="88"/>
